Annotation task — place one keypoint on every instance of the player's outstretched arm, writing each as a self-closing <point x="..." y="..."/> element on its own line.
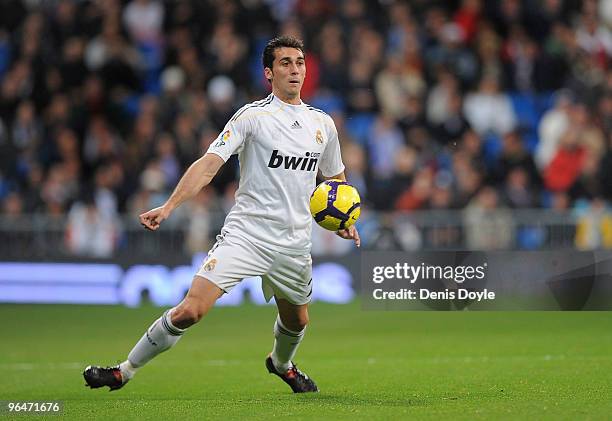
<point x="198" y="175"/>
<point x="351" y="232"/>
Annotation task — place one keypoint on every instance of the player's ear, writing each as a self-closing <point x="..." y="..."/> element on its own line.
<point x="268" y="74"/>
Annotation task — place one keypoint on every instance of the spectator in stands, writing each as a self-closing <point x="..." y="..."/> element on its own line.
<point x="32" y="190"/>
<point x="394" y="83"/>
<point x="144" y="19"/>
<point x="333" y="56"/>
<point x="26" y="132"/>
<point x="605" y="171"/>
<point x="449" y="51"/>
<point x="199" y="222"/>
<point x="580" y="141"/>
<point x="101" y="143"/>
<point x="104" y="196"/>
<point x="527" y="67"/>
<point x="594" y="228"/>
<point x="552" y="126"/>
<point x="421" y="139"/>
<point x="402" y="27"/>
<point x="518" y="191"/>
<point x="488" y="48"/>
<point x="567" y="162"/>
<point x="12" y="206"/>
<point x="514" y="155"/>
<point x="488" y="110"/>
<point x="445" y="232"/>
<point x="90" y="232"/>
<point x="468" y="175"/>
<point x="453" y="123"/>
<point x="354" y="158"/>
<point x="418" y="192"/>
<point x="438" y="99"/>
<point x="384" y="141"/>
<point x="604" y="110"/>
<point x="228" y="54"/>
<point x="168" y="160"/>
<point x="489" y="226"/>
<point x="110" y="54"/>
<point x="587" y="185"/>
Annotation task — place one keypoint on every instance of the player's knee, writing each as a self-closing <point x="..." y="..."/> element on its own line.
<point x="187" y="315"/>
<point x="297" y="323"/>
<point x="302" y="322"/>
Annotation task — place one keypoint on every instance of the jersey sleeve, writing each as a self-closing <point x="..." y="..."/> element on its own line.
<point x="331" y="160"/>
<point x="231" y="140"/>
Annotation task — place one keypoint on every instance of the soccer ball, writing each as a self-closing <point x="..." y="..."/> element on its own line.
<point x="335" y="205"/>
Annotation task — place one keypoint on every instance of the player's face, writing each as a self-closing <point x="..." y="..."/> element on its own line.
<point x="288" y="72"/>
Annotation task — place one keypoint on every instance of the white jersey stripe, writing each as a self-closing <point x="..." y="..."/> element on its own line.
<point x="259" y="103"/>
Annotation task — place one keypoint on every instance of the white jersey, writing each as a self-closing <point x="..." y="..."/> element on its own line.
<point x="280" y="148"/>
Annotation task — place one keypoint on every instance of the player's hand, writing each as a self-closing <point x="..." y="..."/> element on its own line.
<point x="152" y="219"/>
<point x="350" y="233"/>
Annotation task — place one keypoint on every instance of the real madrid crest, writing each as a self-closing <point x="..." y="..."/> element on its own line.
<point x="319" y="137"/>
<point x="210" y="265"/>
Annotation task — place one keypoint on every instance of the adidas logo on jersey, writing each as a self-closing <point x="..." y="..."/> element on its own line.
<point x="296" y="125"/>
<point x="307" y="163"/>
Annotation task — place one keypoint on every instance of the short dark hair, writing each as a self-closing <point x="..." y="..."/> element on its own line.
<point x="279" y="42"/>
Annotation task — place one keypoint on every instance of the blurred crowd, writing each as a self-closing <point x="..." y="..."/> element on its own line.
<point x="470" y="104"/>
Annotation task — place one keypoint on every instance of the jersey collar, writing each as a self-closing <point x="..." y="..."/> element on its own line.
<point x="301" y="106"/>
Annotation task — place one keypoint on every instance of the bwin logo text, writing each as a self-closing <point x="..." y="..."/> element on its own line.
<point x="293" y="162"/>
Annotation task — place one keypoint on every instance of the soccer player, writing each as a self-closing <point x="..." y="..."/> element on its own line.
<point x="281" y="144"/>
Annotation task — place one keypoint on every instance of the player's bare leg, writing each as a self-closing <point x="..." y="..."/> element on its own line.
<point x="163" y="334"/>
<point x="197" y="303"/>
<point x="288" y="333"/>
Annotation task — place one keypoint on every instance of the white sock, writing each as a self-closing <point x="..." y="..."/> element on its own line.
<point x="286" y="343"/>
<point x="127" y="370"/>
<point x="162" y="335"/>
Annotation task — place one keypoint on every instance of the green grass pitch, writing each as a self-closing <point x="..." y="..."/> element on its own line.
<point x="368" y="365"/>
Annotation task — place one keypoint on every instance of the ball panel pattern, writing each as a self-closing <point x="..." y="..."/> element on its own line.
<point x="339" y="209"/>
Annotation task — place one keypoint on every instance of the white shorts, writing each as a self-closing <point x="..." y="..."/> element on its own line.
<point x="233" y="258"/>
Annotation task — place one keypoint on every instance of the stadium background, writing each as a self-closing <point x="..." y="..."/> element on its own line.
<point x="482" y="125"/>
